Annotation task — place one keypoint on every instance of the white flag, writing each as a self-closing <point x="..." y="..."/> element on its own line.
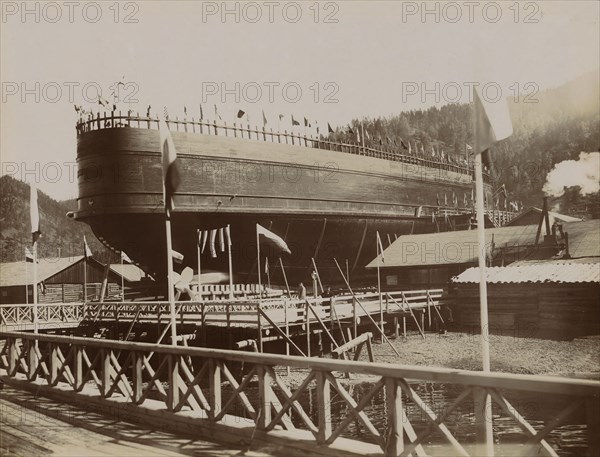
<point x="492" y="120"/>
<point x="202" y="237"/>
<point x="211" y="244"/>
<point x="228" y="235"/>
<point x="125" y="257"/>
<point x="87" y="252"/>
<point x="34" y="213"/>
<point x="221" y="240"/>
<point x="276" y="239"/>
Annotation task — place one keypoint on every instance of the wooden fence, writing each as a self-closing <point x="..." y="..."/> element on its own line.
<point x="49" y="315"/>
<point x="197" y="387"/>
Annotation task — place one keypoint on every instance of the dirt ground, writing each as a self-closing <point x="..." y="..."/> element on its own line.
<point x="508" y="354"/>
<point x="578" y="358"/>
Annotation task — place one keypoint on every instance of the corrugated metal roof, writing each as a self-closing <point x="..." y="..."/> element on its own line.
<point x="565" y="271"/>
<point x="13" y="273"/>
<point x="461" y="247"/>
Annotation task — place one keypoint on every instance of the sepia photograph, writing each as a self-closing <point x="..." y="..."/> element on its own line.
<point x="300" y="228"/>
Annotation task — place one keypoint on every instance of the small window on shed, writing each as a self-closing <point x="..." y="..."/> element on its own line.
<point x="391" y="280"/>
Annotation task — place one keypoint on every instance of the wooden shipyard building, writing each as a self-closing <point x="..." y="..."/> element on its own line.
<point x="558" y="299"/>
<point x="546" y="289"/>
<point x="61" y="280"/>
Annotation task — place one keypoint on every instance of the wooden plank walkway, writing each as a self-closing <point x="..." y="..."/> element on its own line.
<point x="36" y="426"/>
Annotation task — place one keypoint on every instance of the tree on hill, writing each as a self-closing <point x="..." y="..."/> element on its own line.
<point x="61" y="236"/>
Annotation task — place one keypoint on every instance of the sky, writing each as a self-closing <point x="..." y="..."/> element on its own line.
<point x="327" y="61"/>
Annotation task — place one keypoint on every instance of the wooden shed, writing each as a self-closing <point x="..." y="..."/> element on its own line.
<point x="59" y="280"/>
<point x="558" y="299"/>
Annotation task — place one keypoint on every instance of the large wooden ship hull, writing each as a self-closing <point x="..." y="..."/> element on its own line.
<point x="325" y="203"/>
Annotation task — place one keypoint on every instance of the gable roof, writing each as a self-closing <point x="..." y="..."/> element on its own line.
<point x="554" y="217"/>
<point x="461" y="247"/>
<point x="13" y="273"/>
<point x="129" y="272"/>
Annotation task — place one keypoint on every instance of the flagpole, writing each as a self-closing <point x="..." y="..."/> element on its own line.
<point x="171" y="291"/>
<point x="377" y="242"/>
<point x="230" y="263"/>
<point x="35" y="292"/>
<point x="287" y="286"/>
<point x="85" y="277"/>
<point x="258" y="264"/>
<point x="268" y="273"/>
<point x="199" y="233"/>
<point x="122" y="277"/>
<point x="362" y="125"/>
<point x="483" y="303"/>
<point x="26" y="281"/>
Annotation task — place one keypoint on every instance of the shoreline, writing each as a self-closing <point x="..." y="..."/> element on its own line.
<point x="570" y="359"/>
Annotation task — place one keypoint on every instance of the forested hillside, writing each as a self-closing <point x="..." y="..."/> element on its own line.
<point x="558" y="125"/>
<point x="61" y="236"/>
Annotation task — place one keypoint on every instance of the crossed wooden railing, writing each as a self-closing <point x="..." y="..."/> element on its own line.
<point x="189" y="384"/>
<point x="21" y="316"/>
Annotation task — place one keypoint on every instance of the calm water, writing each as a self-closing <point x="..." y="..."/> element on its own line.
<point x="569" y="440"/>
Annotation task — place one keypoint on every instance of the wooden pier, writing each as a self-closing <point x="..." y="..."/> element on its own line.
<point x="264" y="320"/>
<point x="203" y="392"/>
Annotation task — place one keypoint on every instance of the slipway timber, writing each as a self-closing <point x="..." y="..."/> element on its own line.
<point x="203" y="392"/>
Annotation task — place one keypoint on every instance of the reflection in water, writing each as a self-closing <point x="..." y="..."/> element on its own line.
<point x="569" y="440"/>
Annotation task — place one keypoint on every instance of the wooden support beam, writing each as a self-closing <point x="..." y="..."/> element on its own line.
<point x="322" y="324"/>
<point x="365" y="311"/>
<point x="282" y="333"/>
<point x="352" y="343"/>
<point x="395" y="418"/>
<point x="324" y="408"/>
<point x="214" y="381"/>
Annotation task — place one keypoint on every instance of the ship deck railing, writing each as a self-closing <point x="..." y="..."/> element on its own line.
<point x="119" y="120"/>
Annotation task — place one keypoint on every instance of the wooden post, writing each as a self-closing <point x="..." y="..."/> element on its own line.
<point x="32" y="360"/>
<point x="404" y="327"/>
<point x="12" y="357"/>
<point x="265" y="393"/>
<point x="137" y="365"/>
<point x="173" y="392"/>
<point x="395" y="420"/>
<point x="307" y="328"/>
<point x="54" y="363"/>
<point x="354" y="318"/>
<point x="287" y="330"/>
<point x="106" y="366"/>
<point x="77" y="368"/>
<point x="203" y="324"/>
<point x="482" y="405"/>
<point x="214" y="380"/>
<point x="395" y="324"/>
<point x="324" y="408"/>
<point x="259" y="325"/>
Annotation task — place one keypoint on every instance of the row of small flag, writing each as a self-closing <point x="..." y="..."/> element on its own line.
<point x="224" y="237"/>
<point x="221" y="237"/>
<point x="513" y="205"/>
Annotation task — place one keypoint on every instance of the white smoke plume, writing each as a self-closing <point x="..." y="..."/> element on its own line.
<point x="584" y="173"/>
